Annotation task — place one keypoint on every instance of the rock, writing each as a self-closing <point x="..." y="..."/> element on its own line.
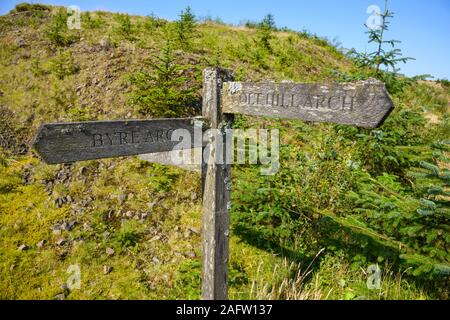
<point x="109" y="251"/>
<point x="87" y="227"/>
<point x="129" y="214"/>
<point x="60" y="296"/>
<point x="156" y="260"/>
<point x="40" y="244"/>
<point x="57" y="232"/>
<point x="56" y="226"/>
<point x="60" y="201"/>
<point x="107" y="269"/>
<point x="194" y="230"/>
<point x="105" y="44"/>
<point x="190" y="231"/>
<point x="121" y="198"/>
<point x="106" y="235"/>
<point x="150" y="205"/>
<point x="82" y="171"/>
<point x="190" y="254"/>
<point x="60" y="242"/>
<point x="20" y="42"/>
<point x="144" y="215"/>
<point x="69" y="225"/>
<point x="23" y="247"/>
<point x="156" y="238"/>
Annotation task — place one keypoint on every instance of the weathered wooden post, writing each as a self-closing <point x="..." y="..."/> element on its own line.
<point x="216" y="182"/>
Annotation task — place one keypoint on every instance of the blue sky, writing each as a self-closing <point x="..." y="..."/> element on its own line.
<point x="422" y="26"/>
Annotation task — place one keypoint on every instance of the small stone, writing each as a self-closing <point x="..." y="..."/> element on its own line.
<point x="130" y="196"/>
<point x="156" y="260"/>
<point x="70" y="225"/>
<point x="60" y="242"/>
<point x="82" y="171"/>
<point x="194" y="230"/>
<point x="23" y="247"/>
<point x="60" y="296"/>
<point x="87" y="227"/>
<point x="106" y="235"/>
<point x="121" y="198"/>
<point x="107" y="269"/>
<point x="56" y="226"/>
<point x="105" y="44"/>
<point x="40" y="244"/>
<point x="20" y="42"/>
<point x="190" y="231"/>
<point x="156" y="238"/>
<point x="109" y="251"/>
<point x="129" y="214"/>
<point x="57" y="232"/>
<point x="193" y="196"/>
<point x="144" y="215"/>
<point x="11" y="268"/>
<point x="190" y="254"/>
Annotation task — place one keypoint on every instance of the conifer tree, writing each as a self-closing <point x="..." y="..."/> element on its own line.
<point x="264" y="33"/>
<point x="185" y="28"/>
<point x="161" y="90"/>
<point x="382" y="56"/>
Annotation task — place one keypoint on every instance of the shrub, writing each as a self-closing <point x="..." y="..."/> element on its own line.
<point x="63" y="65"/>
<point x="185" y="28"/>
<point x="264" y="33"/>
<point x="153" y="22"/>
<point x="162" y="91"/>
<point x="57" y="32"/>
<point x="37" y="69"/>
<point x="90" y="22"/>
<point x="124" y="26"/>
<point x="24" y="7"/>
<point x="128" y="234"/>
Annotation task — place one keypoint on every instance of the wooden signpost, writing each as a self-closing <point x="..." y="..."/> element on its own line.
<point x="364" y="104"/>
<point x="77" y="141"/>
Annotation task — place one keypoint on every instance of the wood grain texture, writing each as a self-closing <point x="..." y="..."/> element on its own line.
<point x="76" y="141"/>
<point x="216" y="183"/>
<point x="363" y="103"/>
<point x="180" y="158"/>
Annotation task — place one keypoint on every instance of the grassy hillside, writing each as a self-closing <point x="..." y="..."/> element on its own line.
<point x="341" y="201"/>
